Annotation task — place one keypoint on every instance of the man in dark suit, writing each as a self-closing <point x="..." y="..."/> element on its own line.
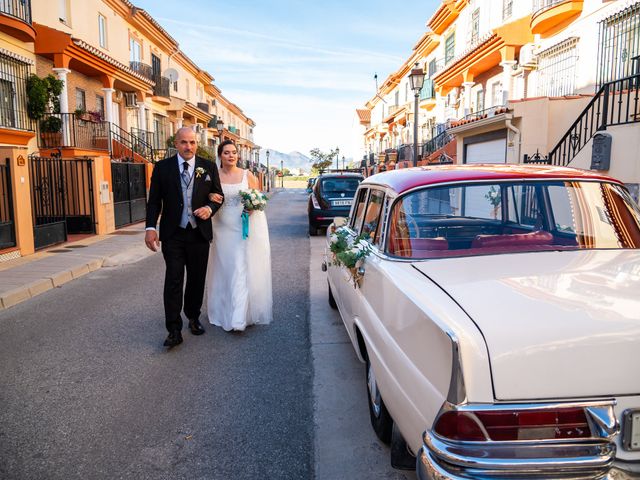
<point x="180" y="188"/>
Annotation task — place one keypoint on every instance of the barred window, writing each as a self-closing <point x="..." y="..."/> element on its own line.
<point x="507" y="9"/>
<point x="557" y="69"/>
<point x="619" y="45"/>
<point x="475" y="25"/>
<point x="13" y="96"/>
<point x="449" y="48"/>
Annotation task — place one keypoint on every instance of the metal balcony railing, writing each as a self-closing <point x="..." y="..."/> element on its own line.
<point x="203" y="106"/>
<point x="162" y="88"/>
<point x="540" y="6"/>
<point x="142" y="68"/>
<point x="66" y="130"/>
<point x="20" y="9"/>
<point x="436" y="143"/>
<point x="615" y="103"/>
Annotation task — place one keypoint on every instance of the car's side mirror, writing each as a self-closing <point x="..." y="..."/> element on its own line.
<point x="339" y="222"/>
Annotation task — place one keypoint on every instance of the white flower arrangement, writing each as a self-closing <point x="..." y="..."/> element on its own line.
<point x="253" y="199"/>
<point x="349" y="251"/>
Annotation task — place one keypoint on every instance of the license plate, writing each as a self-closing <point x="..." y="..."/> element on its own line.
<point x="341" y="203"/>
<point x="631" y="434"/>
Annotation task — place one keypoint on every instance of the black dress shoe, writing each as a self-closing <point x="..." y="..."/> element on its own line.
<point x="174" y="338"/>
<point x="195" y="327"/>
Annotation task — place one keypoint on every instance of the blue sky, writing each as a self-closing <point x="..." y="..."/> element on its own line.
<point x="297" y="68"/>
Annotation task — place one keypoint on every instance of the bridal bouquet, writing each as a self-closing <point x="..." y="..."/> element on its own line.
<point x="348" y="251"/>
<point x="251" y="200"/>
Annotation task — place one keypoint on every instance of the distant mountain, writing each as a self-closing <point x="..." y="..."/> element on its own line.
<point x="289" y="160"/>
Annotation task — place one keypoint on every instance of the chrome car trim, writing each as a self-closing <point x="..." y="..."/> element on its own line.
<point x="603" y="421"/>
<point x="457" y="394"/>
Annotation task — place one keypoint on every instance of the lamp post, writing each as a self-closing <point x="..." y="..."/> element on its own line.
<point x="268" y="173"/>
<point x="416" y="79"/>
<point x="343" y="162"/>
<point x="220" y="128"/>
<point x="337" y="158"/>
<point x="281" y="173"/>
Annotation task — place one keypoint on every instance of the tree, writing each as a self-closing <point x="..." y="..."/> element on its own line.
<point x="42" y="95"/>
<point x="321" y="160"/>
<point x="286" y="171"/>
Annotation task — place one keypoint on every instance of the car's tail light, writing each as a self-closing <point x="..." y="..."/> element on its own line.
<point x="507" y="425"/>
<point x="314" y="200"/>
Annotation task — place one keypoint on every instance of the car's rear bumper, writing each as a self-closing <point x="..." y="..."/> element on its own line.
<point x="440" y="460"/>
<point x="323" y="218"/>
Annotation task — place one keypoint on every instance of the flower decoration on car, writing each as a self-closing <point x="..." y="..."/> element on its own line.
<point x="349" y="251"/>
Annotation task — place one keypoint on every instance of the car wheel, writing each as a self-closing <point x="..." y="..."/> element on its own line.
<point x="332" y="301"/>
<point x="401" y="458"/>
<point x="380" y="419"/>
<point x="313" y="231"/>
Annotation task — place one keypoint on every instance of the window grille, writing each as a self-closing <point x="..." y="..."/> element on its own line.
<point x="13" y="96"/>
<point x="475" y="25"/>
<point x="102" y="31"/>
<point x="449" y="48"/>
<point x="557" y="69"/>
<point x="619" y="45"/>
<point x="507" y="9"/>
<point x="81" y="101"/>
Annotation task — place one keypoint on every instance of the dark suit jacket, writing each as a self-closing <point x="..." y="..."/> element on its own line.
<point x="165" y="195"/>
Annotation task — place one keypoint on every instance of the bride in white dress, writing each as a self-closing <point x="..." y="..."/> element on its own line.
<point x="239" y="271"/>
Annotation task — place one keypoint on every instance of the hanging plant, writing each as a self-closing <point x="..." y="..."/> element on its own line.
<point x="42" y="95"/>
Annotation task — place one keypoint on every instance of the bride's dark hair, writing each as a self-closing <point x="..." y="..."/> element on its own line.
<point x="224" y="144"/>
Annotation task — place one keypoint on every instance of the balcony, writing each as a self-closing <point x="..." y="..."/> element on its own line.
<point x="67" y="130"/>
<point x="162" y="89"/>
<point x="142" y="69"/>
<point x="203" y="106"/>
<point x="15" y="19"/>
<point x="549" y="16"/>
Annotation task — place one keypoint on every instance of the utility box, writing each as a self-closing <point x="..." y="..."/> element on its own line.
<point x="105" y="196"/>
<point x="601" y="151"/>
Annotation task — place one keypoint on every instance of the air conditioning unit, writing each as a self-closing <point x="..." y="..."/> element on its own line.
<point x="130" y="99"/>
<point x="527" y="57"/>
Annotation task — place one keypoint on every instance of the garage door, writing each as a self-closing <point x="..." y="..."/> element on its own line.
<point x="492" y="151"/>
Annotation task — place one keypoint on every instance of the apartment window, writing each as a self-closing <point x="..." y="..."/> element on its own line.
<point x="557" y="69"/>
<point x="406" y="92"/>
<point x="100" y="105"/>
<point x="619" y="45"/>
<point x="175" y="86"/>
<point x="63" y="10"/>
<point x="449" y="48"/>
<point x="507" y="9"/>
<point x="135" y="50"/>
<point x="81" y="99"/>
<point x="479" y="100"/>
<point x="432" y="68"/>
<point x="187" y="84"/>
<point x="13" y="97"/>
<point x="475" y="25"/>
<point x="397" y="98"/>
<point x="496" y="94"/>
<point x="102" y="31"/>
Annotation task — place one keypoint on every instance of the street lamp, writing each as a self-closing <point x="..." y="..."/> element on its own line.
<point x="268" y="173"/>
<point x="220" y="128"/>
<point x="337" y="158"/>
<point x="343" y="162"/>
<point x="416" y="79"/>
<point x="281" y="173"/>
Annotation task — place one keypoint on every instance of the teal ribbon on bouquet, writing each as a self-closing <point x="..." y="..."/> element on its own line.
<point x="245" y="224"/>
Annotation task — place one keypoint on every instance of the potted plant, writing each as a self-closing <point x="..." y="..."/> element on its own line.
<point x="51" y="131"/>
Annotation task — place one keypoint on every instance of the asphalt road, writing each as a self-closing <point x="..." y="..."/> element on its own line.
<point x="88" y="392"/>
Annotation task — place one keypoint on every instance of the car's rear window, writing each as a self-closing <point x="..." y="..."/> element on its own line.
<point x="340" y="185"/>
<point x="480" y="219"/>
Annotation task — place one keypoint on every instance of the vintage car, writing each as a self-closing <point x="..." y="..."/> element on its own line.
<point x="498" y="314"/>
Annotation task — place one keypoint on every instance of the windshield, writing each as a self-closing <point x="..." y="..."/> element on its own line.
<point x="506" y="217"/>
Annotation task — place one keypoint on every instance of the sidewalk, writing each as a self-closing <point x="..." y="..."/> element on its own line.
<point x="26" y="277"/>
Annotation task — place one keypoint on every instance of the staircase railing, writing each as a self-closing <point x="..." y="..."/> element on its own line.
<point x="615" y="103"/>
<point x="436" y="143"/>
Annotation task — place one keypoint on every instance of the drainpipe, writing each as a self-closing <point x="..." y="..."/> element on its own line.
<point x="517" y="133"/>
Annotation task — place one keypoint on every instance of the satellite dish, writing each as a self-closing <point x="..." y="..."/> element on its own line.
<point x="171" y="74"/>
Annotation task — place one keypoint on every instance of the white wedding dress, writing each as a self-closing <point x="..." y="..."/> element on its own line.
<point x="239" y="271"/>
